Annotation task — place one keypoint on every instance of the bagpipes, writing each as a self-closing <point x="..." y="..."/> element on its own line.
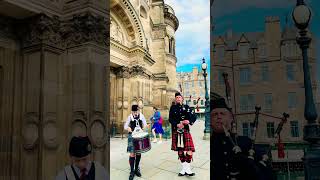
<point x="255" y="126"/>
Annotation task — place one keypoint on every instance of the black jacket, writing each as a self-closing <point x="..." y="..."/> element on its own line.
<point x="179" y="113"/>
<point x="226" y="164"/>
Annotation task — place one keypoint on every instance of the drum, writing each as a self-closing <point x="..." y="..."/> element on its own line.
<point x="141" y="142"/>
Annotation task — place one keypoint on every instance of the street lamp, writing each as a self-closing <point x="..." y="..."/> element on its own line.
<point x="207" y="109"/>
<point x="301" y="16"/>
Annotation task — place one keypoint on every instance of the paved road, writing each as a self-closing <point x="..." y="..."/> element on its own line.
<point x="160" y="163"/>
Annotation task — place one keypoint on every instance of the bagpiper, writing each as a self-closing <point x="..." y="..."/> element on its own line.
<point x="181" y="118"/>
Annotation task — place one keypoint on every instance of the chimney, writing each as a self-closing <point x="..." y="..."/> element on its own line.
<point x="273" y="35"/>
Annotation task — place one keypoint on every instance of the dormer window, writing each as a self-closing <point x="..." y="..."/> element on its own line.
<point x="262" y="50"/>
<point x="244" y="52"/>
<point x="220" y="51"/>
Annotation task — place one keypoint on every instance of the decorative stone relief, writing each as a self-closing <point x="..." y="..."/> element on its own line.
<point x="125" y="104"/>
<point x="80" y="29"/>
<point x="50" y="135"/>
<point x="116" y="32"/>
<point x="98" y="132"/>
<point x="140" y="103"/>
<point x="30" y="131"/>
<point x="79" y="128"/>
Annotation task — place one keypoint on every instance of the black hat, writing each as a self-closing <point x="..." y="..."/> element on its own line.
<point x="134" y="107"/>
<point x="177" y="94"/>
<point x="80" y="147"/>
<point x="218" y="103"/>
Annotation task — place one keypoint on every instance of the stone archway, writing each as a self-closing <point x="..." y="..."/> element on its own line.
<point x="124" y="10"/>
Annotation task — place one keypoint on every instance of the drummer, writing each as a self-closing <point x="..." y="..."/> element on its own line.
<point x="130" y="125"/>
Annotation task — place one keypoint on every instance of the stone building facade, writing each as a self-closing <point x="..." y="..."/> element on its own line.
<point x="265" y="69"/>
<point x="53" y="76"/>
<point x="193" y="88"/>
<point x="143" y="61"/>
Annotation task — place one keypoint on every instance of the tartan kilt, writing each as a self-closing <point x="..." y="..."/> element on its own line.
<point x="187" y="141"/>
<point x="130" y="148"/>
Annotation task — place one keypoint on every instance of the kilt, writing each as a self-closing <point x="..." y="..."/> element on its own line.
<point x="187" y="141"/>
<point x="130" y="148"/>
<point x="158" y="128"/>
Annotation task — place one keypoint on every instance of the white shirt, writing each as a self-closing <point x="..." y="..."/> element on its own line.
<point x="130" y="118"/>
<point x="103" y="176"/>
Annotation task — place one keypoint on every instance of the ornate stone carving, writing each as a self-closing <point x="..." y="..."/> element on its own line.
<point x="86" y="28"/>
<point x="30" y="131"/>
<point x="123" y="72"/>
<point x="139" y="71"/>
<point x="50" y="135"/>
<point x="50" y="131"/>
<point x="7" y="26"/>
<point x="98" y="130"/>
<point x="80" y="29"/>
<point x="41" y="29"/>
<point x="79" y="128"/>
<point x="116" y="32"/>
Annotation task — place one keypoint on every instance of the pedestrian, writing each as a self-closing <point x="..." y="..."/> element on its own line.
<point x="81" y="167"/>
<point x="157" y="121"/>
<point x="181" y="118"/>
<point x="135" y="120"/>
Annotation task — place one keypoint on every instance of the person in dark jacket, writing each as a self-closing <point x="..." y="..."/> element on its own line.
<point x="230" y="153"/>
<point x="181" y="118"/>
<point x="82" y="168"/>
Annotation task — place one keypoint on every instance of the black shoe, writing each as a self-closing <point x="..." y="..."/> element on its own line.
<point x="131" y="176"/>
<point x="181" y="174"/>
<point x="192" y="174"/>
<point x="137" y="172"/>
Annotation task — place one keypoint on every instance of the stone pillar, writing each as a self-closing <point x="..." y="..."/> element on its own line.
<point x="64" y="91"/>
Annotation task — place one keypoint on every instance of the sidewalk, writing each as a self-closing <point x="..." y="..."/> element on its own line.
<point x="161" y="163"/>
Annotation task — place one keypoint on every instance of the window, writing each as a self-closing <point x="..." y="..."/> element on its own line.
<point x="247" y="102"/>
<point x="268" y="102"/>
<point x="200" y="84"/>
<point x="245" y="75"/>
<point x="290" y="72"/>
<point x="201" y="101"/>
<point x="244" y="50"/>
<point x="192" y="83"/>
<point x="194" y="102"/>
<point x="265" y="73"/>
<point x="270" y="129"/>
<point x="187" y="85"/>
<point x="247" y="130"/>
<point x="262" y="50"/>
<point x="220" y="53"/>
<point x="294" y="128"/>
<point x="292" y="100"/>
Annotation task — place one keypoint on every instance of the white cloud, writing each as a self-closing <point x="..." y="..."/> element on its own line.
<point x="193" y="34"/>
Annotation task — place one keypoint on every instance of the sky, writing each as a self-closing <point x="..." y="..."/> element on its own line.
<point x="193" y="34"/>
<point x="248" y="16"/>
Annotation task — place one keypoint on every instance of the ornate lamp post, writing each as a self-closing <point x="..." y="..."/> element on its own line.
<point x="207" y="104"/>
<point x="301" y="16"/>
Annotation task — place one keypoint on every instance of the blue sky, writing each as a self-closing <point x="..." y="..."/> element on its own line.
<point x="193" y="34"/>
<point x="249" y="15"/>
